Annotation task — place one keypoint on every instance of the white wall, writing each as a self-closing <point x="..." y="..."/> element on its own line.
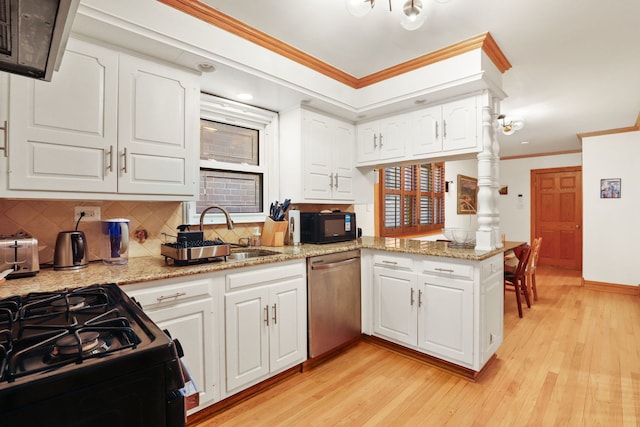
<point x="515" y="207"/>
<point x="610" y="226"/>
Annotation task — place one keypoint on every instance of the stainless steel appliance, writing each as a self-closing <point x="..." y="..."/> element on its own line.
<point x="71" y="251"/>
<point x="35" y="34"/>
<point x="334" y="301"/>
<point x="87" y="356"/>
<point x="19" y="252"/>
<point x="329" y="227"/>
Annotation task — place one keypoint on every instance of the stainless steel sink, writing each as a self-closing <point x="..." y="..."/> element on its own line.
<point x="250" y="253"/>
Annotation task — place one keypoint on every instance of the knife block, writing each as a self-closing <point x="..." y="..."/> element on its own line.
<point x="273" y="232"/>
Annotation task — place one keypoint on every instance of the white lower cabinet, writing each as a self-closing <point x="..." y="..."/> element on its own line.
<point x="185" y="308"/>
<point x="448" y="308"/>
<point x="265" y="322"/>
<point x="446" y="317"/>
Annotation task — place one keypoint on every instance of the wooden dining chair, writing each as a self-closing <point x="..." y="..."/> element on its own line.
<point x="530" y="272"/>
<point x="517" y="280"/>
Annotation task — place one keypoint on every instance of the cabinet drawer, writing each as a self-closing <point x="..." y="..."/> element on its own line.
<point x="447" y="269"/>
<point x="391" y="261"/>
<point x="263" y="275"/>
<point x="169" y="293"/>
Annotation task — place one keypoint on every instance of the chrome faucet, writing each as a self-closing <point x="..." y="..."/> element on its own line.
<point x="224" y="211"/>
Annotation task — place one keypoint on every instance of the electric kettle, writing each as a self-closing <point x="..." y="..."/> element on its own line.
<point x="71" y="251"/>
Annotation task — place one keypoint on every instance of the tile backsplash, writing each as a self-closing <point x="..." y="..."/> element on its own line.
<point x="44" y="219"/>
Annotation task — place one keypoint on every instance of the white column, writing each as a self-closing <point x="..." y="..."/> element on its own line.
<point x="488" y="218"/>
<point x="495" y="167"/>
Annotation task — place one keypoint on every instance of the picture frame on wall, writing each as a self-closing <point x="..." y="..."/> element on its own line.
<point x="610" y="188"/>
<point x="467" y="195"/>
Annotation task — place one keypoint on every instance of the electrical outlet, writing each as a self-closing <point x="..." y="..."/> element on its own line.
<point x="91" y="213"/>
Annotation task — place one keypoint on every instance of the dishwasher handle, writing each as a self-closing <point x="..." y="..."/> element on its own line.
<point x="334" y="264"/>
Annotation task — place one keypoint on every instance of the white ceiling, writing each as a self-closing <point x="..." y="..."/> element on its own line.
<point x="575" y="63"/>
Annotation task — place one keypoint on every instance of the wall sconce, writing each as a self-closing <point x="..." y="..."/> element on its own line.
<point x="446" y="186"/>
<point x="509" y="128"/>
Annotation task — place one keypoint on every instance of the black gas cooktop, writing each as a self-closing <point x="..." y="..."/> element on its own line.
<point x="69" y="357"/>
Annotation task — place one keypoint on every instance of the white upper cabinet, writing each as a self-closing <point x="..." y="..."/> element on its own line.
<point x="106" y="123"/>
<point x="382" y="140"/>
<point x="317" y="161"/>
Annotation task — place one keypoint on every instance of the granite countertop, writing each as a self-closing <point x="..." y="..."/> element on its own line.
<point x="142" y="269"/>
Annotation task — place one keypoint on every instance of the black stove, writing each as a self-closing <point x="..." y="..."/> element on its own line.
<point x="86" y="356"/>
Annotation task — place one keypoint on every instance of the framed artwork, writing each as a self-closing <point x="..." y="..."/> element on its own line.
<point x="467" y="195"/>
<point x="610" y="188"/>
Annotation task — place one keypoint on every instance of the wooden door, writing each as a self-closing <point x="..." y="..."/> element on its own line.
<point x="556" y="212"/>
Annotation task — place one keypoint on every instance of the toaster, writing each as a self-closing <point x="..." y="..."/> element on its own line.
<point x="19" y="252"/>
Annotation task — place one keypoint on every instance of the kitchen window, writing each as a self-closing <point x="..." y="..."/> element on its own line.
<point x="237" y="157"/>
<point x="412" y="199"/>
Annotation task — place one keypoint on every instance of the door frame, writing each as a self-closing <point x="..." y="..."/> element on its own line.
<point x="532" y="179"/>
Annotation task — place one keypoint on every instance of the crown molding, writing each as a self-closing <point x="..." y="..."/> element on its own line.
<point x="632" y="128"/>
<point x="206" y="13"/>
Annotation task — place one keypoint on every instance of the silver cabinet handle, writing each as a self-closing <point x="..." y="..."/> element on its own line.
<point x="266" y="314"/>
<point x="331" y="180"/>
<point x="174" y="296"/>
<point x="412" y="299"/>
<point x="444" y="129"/>
<point x="336" y="181"/>
<point x="5" y="147"/>
<point x="380" y="140"/>
<point x="444" y="270"/>
<point x="420" y="298"/>
<point x="275" y="315"/>
<point x="389" y="262"/>
<point x="436" y="130"/>
<point x="110" y="153"/>
<point x="124" y="160"/>
<point x="375" y="140"/>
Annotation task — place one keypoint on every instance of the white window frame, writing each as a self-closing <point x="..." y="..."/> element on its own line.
<point x="266" y="123"/>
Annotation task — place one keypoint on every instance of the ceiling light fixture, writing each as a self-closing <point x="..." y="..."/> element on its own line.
<point x="413" y="13"/>
<point x="510" y="127"/>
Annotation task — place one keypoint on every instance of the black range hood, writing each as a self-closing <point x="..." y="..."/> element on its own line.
<point x="33" y="35"/>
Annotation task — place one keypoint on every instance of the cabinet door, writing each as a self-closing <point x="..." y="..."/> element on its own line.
<point x="427" y="130"/>
<point x="393" y="136"/>
<point x="459" y="124"/>
<point x="317" y="140"/>
<point x="395" y="305"/>
<point x="445" y="318"/>
<point x="247" y="336"/>
<point x="491" y="315"/>
<point x="288" y="321"/>
<point x="63" y="133"/>
<point x="191" y="323"/>
<point x="343" y="161"/>
<point x="368" y="142"/>
<point x="158" y="129"/>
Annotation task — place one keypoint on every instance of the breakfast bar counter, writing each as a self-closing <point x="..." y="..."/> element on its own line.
<point x="142" y="269"/>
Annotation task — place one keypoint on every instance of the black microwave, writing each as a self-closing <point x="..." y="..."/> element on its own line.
<point x="328" y="227"/>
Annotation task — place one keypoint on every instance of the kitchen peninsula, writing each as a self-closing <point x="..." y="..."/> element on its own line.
<point x="442" y="304"/>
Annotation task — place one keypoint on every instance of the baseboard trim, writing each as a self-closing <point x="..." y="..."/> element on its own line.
<point x="612" y="287"/>
<point x="466" y="373"/>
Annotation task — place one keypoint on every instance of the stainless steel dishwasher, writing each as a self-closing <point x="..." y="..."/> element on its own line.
<point x="334" y="301"/>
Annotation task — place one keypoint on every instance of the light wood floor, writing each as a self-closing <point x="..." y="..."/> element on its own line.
<point x="574" y="359"/>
